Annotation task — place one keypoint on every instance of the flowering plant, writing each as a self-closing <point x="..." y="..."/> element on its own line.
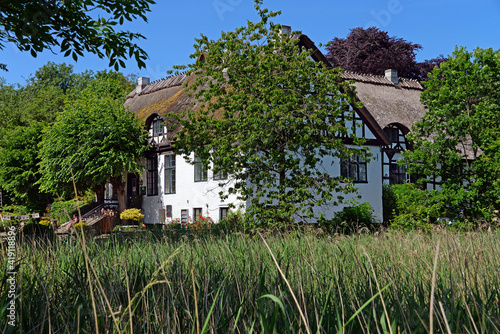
<point x="44" y="222"/>
<point x="199" y="222"/>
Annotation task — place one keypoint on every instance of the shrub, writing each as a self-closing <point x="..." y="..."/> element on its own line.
<point x="389" y="202"/>
<point x="45" y="223"/>
<point x="81" y="225"/>
<point x="132" y="214"/>
<point x="235" y="221"/>
<point x="60" y="209"/>
<point x="34" y="229"/>
<point x="418" y="209"/>
<point x="351" y="218"/>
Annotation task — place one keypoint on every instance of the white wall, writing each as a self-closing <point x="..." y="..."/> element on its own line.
<point x="370" y="192"/>
<point x="205" y="195"/>
<point x="188" y="194"/>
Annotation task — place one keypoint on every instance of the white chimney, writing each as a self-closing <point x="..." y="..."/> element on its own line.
<point x="286" y="30"/>
<point x="392" y="76"/>
<point x="141" y="83"/>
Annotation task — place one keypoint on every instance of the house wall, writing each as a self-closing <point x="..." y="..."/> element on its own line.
<point x="188" y="195"/>
<point x="370" y="191"/>
<point x="205" y="195"/>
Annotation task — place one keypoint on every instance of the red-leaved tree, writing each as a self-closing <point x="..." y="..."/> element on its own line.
<point x="373" y="51"/>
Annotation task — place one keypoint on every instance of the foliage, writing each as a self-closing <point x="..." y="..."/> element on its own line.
<point x="18" y="166"/>
<point x="62" y="210"/>
<point x="95" y="140"/>
<point x="389" y="201"/>
<point x="45" y="223"/>
<point x="458" y="140"/>
<point x="35" y="229"/>
<point x="416" y="209"/>
<point x="267" y="113"/>
<point x="235" y="221"/>
<point x="25" y="112"/>
<point x="351" y="218"/>
<point x="81" y="225"/>
<point x="132" y="214"/>
<point x="69" y="27"/>
<point x="60" y="76"/>
<point x="373" y="51"/>
<point x="234" y="284"/>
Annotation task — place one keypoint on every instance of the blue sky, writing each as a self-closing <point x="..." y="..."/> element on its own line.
<point x="437" y="25"/>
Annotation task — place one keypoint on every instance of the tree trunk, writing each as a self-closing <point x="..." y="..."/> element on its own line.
<point x="119" y="192"/>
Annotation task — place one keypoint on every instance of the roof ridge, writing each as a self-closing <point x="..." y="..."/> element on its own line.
<point x="159" y="84"/>
<point x="168" y="77"/>
<point x="380" y="79"/>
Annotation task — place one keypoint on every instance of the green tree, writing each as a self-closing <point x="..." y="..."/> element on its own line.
<point x="24" y="112"/>
<point x="96" y="139"/>
<point x="458" y="139"/>
<point x="268" y="114"/>
<point x="60" y="76"/>
<point x="18" y="166"/>
<point x="69" y="26"/>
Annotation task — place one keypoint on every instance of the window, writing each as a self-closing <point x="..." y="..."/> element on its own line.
<point x="170" y="174"/>
<point x="392" y="172"/>
<point x="197" y="212"/>
<point x="396" y="136"/>
<point x="354" y="168"/>
<point x="200" y="173"/>
<point x="184" y="216"/>
<point x="219" y="174"/>
<point x="157" y="126"/>
<point x="152" y="179"/>
<point x="169" y="211"/>
<point x="223" y="213"/>
<point x="397" y="174"/>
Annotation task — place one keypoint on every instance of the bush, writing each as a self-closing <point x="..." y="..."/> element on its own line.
<point x="33" y="229"/>
<point x="351" y="218"/>
<point x="45" y="223"/>
<point x="61" y="209"/>
<point x="132" y="214"/>
<point x="235" y="221"/>
<point x="389" y="202"/>
<point x="81" y="225"/>
<point x="418" y="209"/>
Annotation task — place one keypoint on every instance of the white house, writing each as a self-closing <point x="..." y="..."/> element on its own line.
<point x="171" y="188"/>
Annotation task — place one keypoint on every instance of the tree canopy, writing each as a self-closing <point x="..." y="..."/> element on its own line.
<point x="68" y="27"/>
<point x="93" y="141"/>
<point x="373" y="51"/>
<point x="24" y="112"/>
<point x="27" y="112"/>
<point x="458" y="140"/>
<point x="267" y="113"/>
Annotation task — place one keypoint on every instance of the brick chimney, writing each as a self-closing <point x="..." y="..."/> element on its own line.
<point x="392" y="76"/>
<point x="141" y="83"/>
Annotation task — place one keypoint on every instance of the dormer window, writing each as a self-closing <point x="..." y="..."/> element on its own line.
<point x="157" y="130"/>
<point x="157" y="126"/>
<point x="393" y="173"/>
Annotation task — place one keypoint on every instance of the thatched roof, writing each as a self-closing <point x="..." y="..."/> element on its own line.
<point x="159" y="98"/>
<point x="164" y="95"/>
<point x="387" y="102"/>
<point x="384" y="102"/>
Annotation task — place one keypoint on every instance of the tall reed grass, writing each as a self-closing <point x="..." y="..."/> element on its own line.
<point x="161" y="283"/>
